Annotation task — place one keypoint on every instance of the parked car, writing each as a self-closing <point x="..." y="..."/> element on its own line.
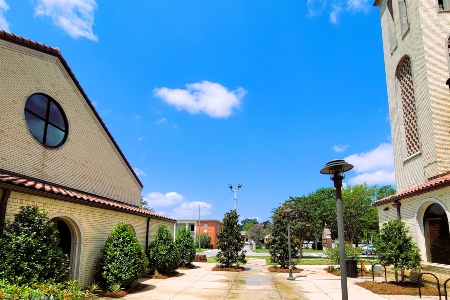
<point x="368" y="250"/>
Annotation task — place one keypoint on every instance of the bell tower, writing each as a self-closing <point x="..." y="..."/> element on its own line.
<point x="416" y="45"/>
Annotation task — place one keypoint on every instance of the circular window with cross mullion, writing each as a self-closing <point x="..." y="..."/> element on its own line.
<point x="46" y="120"/>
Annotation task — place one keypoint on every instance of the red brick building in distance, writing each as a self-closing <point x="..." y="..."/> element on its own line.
<point x="210" y="227"/>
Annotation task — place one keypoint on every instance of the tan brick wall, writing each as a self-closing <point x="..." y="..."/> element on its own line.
<point x="425" y="44"/>
<point x="88" y="161"/>
<point x="95" y="223"/>
<point x="412" y="210"/>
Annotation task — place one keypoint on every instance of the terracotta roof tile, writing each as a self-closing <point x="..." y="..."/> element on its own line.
<point x="432" y="184"/>
<point x="22" y="181"/>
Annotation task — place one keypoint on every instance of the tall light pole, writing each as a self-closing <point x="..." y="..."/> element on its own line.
<point x="336" y="169"/>
<point x="235" y="191"/>
<point x="288" y="212"/>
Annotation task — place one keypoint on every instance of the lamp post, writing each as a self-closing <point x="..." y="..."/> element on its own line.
<point x="235" y="191"/>
<point x="336" y="169"/>
<point x="288" y="212"/>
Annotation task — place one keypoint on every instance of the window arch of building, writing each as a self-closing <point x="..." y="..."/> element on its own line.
<point x="432" y="230"/>
<point x="71" y="236"/>
<point x="131" y="226"/>
<point x="391" y="26"/>
<point x="407" y="108"/>
<point x="403" y="16"/>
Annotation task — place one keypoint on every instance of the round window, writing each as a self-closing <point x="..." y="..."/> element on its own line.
<point x="46" y="120"/>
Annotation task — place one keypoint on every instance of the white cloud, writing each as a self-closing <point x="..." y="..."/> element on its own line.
<point x="3" y="8"/>
<point x="175" y="126"/>
<point x="139" y="172"/>
<point x="161" y="121"/>
<point x="156" y="199"/>
<point x="206" y="97"/>
<point x="358" y="5"/>
<point x="381" y="177"/>
<point x="315" y="7"/>
<point x="373" y="167"/>
<point x="190" y="209"/>
<point x="76" y="17"/>
<point x="336" y="7"/>
<point x="340" y="148"/>
<point x="334" y="13"/>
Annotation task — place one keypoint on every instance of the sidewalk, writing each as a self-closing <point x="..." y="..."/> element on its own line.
<point x="255" y="283"/>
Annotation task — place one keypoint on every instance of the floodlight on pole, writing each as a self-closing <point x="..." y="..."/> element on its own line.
<point x="336" y="169"/>
<point x="235" y="191"/>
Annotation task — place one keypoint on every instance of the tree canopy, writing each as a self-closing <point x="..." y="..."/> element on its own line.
<point x="248" y="223"/>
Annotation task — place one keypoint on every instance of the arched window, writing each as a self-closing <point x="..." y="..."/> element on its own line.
<point x="402" y="11"/>
<point x="391" y="26"/>
<point x="408" y="107"/>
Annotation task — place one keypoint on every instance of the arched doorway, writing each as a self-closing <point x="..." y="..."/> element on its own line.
<point x="65" y="236"/>
<point x="70" y="235"/>
<point x="437" y="238"/>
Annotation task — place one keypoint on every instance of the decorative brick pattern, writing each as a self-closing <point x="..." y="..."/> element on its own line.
<point x="409" y="108"/>
<point x="88" y="161"/>
<point x="96" y="224"/>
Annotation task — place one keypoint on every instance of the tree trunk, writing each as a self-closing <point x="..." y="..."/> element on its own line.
<point x="396" y="275"/>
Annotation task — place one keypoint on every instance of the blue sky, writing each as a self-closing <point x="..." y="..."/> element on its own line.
<point x="200" y="94"/>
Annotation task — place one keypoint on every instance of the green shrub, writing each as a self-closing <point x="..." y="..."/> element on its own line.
<point x="278" y="244"/>
<point x="205" y="241"/>
<point x="162" y="253"/>
<point x="333" y="254"/>
<point x="230" y="242"/>
<point x="56" y="291"/>
<point x="396" y="247"/>
<point x="186" y="246"/>
<point x="29" y="249"/>
<point x="122" y="259"/>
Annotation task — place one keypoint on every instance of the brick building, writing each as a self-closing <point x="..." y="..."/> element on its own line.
<point x="209" y="227"/>
<point x="416" y="45"/>
<point x="56" y="153"/>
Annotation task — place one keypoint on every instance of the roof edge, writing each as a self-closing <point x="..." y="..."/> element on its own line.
<point x="432" y="184"/>
<point x="20" y="183"/>
<point x="10" y="37"/>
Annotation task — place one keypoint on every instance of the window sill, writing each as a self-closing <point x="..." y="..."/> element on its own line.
<point x="409" y="158"/>
<point x="405" y="34"/>
<point x="393" y="50"/>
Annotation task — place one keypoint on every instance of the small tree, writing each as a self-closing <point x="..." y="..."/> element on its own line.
<point x="333" y="253"/>
<point x="205" y="240"/>
<point x="278" y="244"/>
<point x="395" y="246"/>
<point x="257" y="233"/>
<point x="230" y="242"/>
<point x="186" y="246"/>
<point x="163" y="255"/>
<point x="122" y="259"/>
<point x="29" y="250"/>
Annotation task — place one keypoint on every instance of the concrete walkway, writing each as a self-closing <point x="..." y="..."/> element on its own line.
<point x="255" y="283"/>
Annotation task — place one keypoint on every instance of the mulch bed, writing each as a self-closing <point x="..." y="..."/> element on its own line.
<point x="122" y="293"/>
<point x="161" y="276"/>
<point x="229" y="269"/>
<point x="276" y="269"/>
<point x="365" y="273"/>
<point x="190" y="266"/>
<point x="200" y="258"/>
<point x="400" y="288"/>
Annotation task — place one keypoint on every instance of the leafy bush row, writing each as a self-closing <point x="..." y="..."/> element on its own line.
<point x="68" y="290"/>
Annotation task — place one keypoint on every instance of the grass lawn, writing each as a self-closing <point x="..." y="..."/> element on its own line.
<point x="201" y="250"/>
<point x="304" y="251"/>
<point x="303" y="261"/>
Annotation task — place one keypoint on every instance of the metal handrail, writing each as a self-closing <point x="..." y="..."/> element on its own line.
<point x="362" y="267"/>
<point x="445" y="288"/>
<point x="373" y="274"/>
<point x="438" y="285"/>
